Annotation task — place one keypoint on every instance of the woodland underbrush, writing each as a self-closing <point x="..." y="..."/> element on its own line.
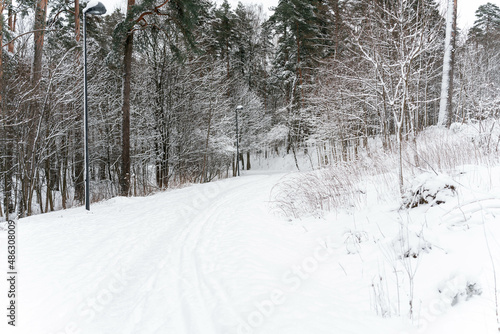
<point x="347" y="184"/>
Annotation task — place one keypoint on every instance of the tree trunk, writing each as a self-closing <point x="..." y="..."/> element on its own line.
<point x="39" y="32"/>
<point x="241" y="162"/>
<point x="400" y="156"/>
<point x="2" y="3"/>
<point x="12" y="26"/>
<point x="445" y="106"/>
<point x="77" y="20"/>
<point x="79" y="195"/>
<point x="64" y="171"/>
<point x="7" y="191"/>
<point x="337" y="25"/>
<point x="127" y="74"/>
<point x="205" y="156"/>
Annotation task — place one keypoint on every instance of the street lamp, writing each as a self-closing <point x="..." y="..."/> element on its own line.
<point x="93" y="8"/>
<point x="237" y="142"/>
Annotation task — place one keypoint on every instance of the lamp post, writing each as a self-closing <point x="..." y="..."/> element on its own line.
<point x="237" y="142"/>
<point x="93" y="8"/>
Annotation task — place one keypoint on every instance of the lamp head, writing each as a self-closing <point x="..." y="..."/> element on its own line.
<point x="239" y="107"/>
<point x="94" y="7"/>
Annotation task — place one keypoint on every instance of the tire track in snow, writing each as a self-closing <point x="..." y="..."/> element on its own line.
<point x="194" y="262"/>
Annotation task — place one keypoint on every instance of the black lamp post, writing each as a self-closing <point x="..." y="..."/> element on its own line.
<point x="93" y="8"/>
<point x="237" y="142"/>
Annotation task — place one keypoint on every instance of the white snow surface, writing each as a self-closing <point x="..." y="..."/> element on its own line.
<point x="213" y="259"/>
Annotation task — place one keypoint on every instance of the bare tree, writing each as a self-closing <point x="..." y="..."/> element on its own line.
<point x="392" y="38"/>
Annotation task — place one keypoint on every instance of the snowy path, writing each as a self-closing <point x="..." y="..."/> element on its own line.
<point x="207" y="259"/>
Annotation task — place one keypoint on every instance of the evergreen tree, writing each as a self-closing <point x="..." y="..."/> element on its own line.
<point x="223" y="31"/>
<point x="479" y="66"/>
<point x="298" y="27"/>
<point x="486" y="28"/>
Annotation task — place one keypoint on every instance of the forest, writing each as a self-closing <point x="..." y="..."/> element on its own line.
<point x="166" y="76"/>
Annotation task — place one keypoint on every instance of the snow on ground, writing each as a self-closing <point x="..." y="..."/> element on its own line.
<point x="213" y="258"/>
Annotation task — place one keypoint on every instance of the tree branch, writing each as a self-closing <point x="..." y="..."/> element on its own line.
<point x="151" y="12"/>
<point x="26" y="33"/>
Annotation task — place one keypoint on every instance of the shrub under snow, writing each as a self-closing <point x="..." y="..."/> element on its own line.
<point x="429" y="188"/>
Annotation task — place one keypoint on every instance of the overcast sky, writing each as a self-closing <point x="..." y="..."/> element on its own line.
<point x="467" y="11"/>
<point x="466" y="8"/>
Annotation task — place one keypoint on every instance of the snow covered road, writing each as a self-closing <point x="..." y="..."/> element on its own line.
<point x="207" y="258"/>
<point x="203" y="259"/>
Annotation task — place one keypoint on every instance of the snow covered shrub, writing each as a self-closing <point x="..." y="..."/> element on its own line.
<point x="313" y="193"/>
<point x="410" y="241"/>
<point x="344" y="185"/>
<point x="484" y="135"/>
<point x="472" y="143"/>
<point x="458" y="289"/>
<point x="353" y="239"/>
<point x="429" y="188"/>
<point x="409" y="244"/>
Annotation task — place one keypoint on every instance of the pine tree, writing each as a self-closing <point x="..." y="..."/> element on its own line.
<point x="298" y="28"/>
<point x="223" y="30"/>
<point x="479" y="66"/>
<point x="486" y="28"/>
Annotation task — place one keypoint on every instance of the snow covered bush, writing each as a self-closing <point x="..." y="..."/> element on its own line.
<point x="458" y="289"/>
<point x="409" y="244"/>
<point x="353" y="239"/>
<point x="343" y="185"/>
<point x="429" y="188"/>
<point x="313" y="193"/>
<point x="463" y="144"/>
